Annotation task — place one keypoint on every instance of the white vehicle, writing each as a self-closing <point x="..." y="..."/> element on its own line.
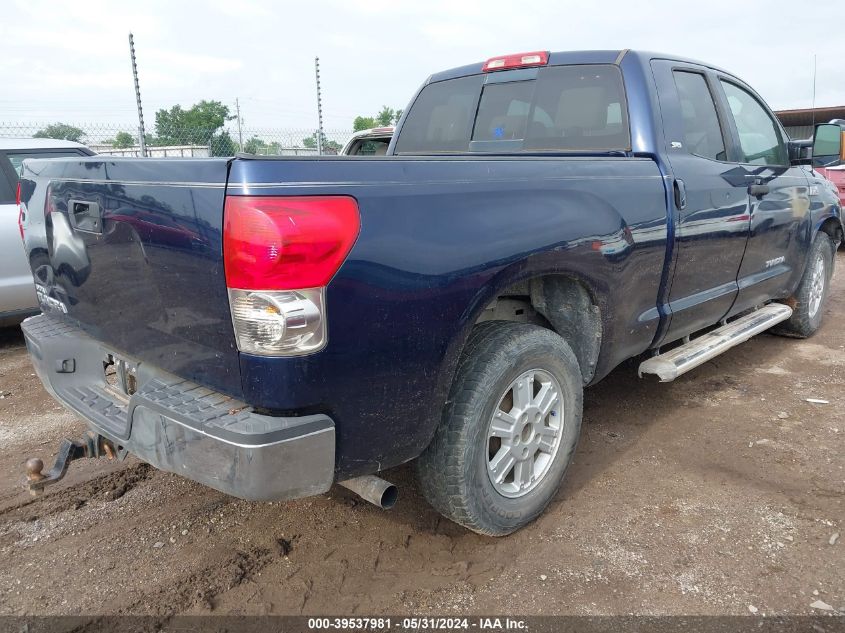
<point x="372" y="142"/>
<point x="17" y="292"/>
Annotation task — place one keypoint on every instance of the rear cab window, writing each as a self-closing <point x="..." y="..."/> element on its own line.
<point x="441" y="118"/>
<point x="577" y="108"/>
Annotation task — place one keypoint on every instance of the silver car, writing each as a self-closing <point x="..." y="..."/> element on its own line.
<point x="17" y="291"/>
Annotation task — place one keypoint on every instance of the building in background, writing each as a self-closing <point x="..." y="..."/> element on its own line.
<point x="154" y="151"/>
<point x="799" y="123"/>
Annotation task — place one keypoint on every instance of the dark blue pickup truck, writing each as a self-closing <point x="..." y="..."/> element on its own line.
<point x="271" y="326"/>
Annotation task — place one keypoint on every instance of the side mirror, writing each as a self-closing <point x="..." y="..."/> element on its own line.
<point x="827" y="145"/>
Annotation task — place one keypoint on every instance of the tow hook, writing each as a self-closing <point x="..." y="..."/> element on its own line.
<point x="90" y="445"/>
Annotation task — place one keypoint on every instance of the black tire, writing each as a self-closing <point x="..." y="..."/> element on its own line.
<point x="453" y="470"/>
<point x="804" y="320"/>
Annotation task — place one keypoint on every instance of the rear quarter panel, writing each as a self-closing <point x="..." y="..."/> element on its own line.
<point x="439" y="238"/>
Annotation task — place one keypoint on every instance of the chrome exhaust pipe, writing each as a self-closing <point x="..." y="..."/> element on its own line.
<point x="373" y="489"/>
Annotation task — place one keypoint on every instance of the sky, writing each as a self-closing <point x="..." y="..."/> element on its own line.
<point x="69" y="61"/>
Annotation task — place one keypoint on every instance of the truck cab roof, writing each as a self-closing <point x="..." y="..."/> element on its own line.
<point x="561" y="58"/>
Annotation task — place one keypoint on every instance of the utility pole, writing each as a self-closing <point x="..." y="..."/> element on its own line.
<point x="812" y="131"/>
<point x="319" y="109"/>
<point x="240" y="132"/>
<point x="141" y="140"/>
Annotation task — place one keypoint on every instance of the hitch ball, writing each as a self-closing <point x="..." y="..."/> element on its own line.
<point x="34" y="466"/>
<point x="90" y="445"/>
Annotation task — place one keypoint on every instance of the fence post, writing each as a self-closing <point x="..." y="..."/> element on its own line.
<point x="319" y="109"/>
<point x="142" y="142"/>
<point x="240" y="133"/>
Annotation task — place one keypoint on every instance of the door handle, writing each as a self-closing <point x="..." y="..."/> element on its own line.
<point x="85" y="216"/>
<point x="680" y="190"/>
<point x="758" y="190"/>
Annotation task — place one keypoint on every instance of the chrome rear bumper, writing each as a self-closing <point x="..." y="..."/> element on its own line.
<point x="180" y="426"/>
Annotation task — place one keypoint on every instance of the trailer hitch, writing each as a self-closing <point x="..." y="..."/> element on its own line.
<point x="90" y="445"/>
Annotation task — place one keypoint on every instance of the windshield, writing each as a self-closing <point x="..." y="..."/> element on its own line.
<point x="565" y="108"/>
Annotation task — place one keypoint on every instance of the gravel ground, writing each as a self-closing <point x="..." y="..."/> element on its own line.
<point x="720" y="493"/>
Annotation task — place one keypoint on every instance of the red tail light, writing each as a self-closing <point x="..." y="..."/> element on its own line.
<point x="518" y="60"/>
<point x="286" y="243"/>
<point x="20" y="209"/>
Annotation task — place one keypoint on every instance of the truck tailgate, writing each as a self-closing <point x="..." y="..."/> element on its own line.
<point x="131" y="252"/>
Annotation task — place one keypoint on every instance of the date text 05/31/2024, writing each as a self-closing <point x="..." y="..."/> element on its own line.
<point x="416" y="624"/>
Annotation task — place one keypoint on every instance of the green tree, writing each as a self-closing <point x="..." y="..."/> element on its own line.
<point x="255" y="145"/>
<point x="201" y="124"/>
<point x="385" y="117"/>
<point x="363" y="123"/>
<point x="61" y="131"/>
<point x="329" y="147"/>
<point x="123" y="139"/>
<point x="223" y="145"/>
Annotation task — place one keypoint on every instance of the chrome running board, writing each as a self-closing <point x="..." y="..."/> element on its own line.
<point x="681" y="359"/>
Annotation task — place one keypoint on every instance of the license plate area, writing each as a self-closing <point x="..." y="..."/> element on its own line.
<point x="121" y="377"/>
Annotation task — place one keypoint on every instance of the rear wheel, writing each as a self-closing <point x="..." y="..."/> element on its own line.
<point x="810" y="297"/>
<point x="509" y="429"/>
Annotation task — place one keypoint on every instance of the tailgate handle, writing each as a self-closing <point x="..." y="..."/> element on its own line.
<point x="85" y="216"/>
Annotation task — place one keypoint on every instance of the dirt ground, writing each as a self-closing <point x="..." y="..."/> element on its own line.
<point x="720" y="493"/>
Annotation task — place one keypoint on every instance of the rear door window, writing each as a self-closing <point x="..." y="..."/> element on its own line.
<point x="702" y="131"/>
<point x="566" y="108"/>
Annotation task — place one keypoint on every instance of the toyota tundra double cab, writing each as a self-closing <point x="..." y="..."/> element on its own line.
<point x="272" y="326"/>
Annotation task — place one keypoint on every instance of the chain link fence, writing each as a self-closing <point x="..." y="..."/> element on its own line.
<point x="122" y="140"/>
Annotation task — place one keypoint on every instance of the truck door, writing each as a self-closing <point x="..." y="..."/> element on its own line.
<point x="779" y="199"/>
<point x="711" y="198"/>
